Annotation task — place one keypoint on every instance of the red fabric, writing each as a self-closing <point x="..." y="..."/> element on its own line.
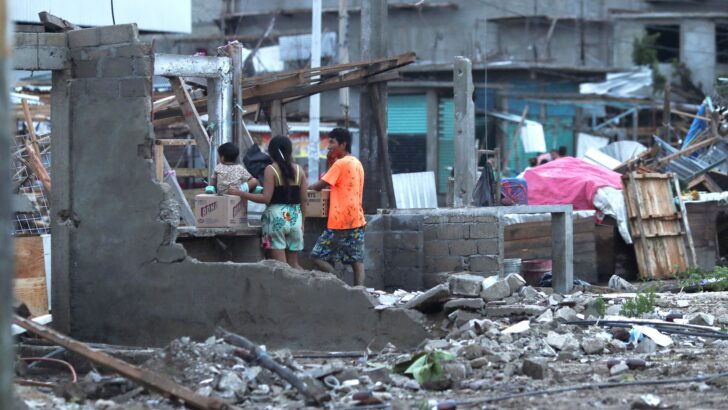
<point x="568" y="180"/>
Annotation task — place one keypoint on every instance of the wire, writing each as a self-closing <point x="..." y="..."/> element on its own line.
<point x="113" y="18"/>
<point x="47" y="359"/>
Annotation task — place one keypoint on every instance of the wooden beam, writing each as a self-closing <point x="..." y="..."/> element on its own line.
<point x="144" y="377"/>
<point x="191" y="172"/>
<point x="34" y="162"/>
<point x="277" y="118"/>
<point x="192" y="118"/>
<point x="379" y="113"/>
<point x="159" y="162"/>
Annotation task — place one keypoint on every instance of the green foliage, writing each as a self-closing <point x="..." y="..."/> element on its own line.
<point x="643" y="49"/>
<point x="601" y="306"/>
<point x="717" y="279"/>
<point x="643" y="303"/>
<point x="427" y="366"/>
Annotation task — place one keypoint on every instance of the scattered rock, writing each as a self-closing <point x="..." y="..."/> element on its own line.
<point x="430" y="301"/>
<point x="616" y="346"/>
<point x="703" y="319"/>
<point x="565" y="314"/>
<point x="472" y="351"/>
<point x="529" y="294"/>
<point x="618" y="368"/>
<point x="556" y="340"/>
<point x="515" y="282"/>
<point x="464" y="284"/>
<point x="479" y="362"/>
<point x="514" y="310"/>
<point x="555" y="299"/>
<point x="495" y="289"/>
<point x="535" y="368"/>
<point x="546" y="317"/>
<point x="616" y="282"/>
<point x="464" y="303"/>
<point x="592" y="345"/>
<point x="461" y="317"/>
<point x="231" y="384"/>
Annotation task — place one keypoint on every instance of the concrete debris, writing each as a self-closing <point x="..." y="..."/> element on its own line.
<point x="465" y="303"/>
<point x="464" y="284"/>
<point x="495" y="290"/>
<point x="515" y="282"/>
<point x="430" y="300"/>
<point x="546" y="317"/>
<point x="535" y="368"/>
<point x="618" y="369"/>
<point x="647" y="345"/>
<point x="617" y="282"/>
<point x="592" y="345"/>
<point x="565" y="314"/>
<point x="702" y="319"/>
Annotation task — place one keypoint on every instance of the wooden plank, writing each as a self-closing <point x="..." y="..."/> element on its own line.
<point x="34" y="293"/>
<point x="34" y="161"/>
<point x="169" y="141"/>
<point x="28" y="257"/>
<point x="159" y="162"/>
<point x="191" y="172"/>
<point x="641" y="247"/>
<point x="686" y="224"/>
<point x="144" y="377"/>
<point x="191" y="116"/>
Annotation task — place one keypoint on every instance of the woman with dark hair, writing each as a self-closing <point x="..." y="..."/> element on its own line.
<point x="284" y="188"/>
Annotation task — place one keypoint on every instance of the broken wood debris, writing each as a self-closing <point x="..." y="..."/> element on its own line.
<point x="149" y="379"/>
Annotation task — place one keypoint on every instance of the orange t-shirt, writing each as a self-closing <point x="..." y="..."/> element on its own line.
<point x="346" y="178"/>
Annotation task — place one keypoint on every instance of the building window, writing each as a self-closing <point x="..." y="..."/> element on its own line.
<point x="667" y="43"/>
<point x="721" y="43"/>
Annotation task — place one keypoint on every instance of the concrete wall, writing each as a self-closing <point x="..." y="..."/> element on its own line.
<point x="404" y="247"/>
<point x="119" y="275"/>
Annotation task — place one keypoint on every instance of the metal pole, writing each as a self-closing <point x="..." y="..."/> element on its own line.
<point x="6" y="245"/>
<point x="314" y="109"/>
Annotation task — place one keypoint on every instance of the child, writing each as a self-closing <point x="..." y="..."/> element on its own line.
<point x="228" y="173"/>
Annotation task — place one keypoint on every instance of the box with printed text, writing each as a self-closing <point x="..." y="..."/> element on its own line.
<point x="220" y="211"/>
<point x="317" y="203"/>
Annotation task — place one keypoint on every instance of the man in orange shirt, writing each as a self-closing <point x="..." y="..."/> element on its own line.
<point x="343" y="238"/>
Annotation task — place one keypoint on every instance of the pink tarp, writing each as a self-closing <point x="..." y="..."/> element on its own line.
<point x="568" y="180"/>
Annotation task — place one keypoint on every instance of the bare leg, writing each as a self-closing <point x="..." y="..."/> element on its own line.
<point x="292" y="259"/>
<point x="277" y="254"/>
<point x="358" y="273"/>
<point x="323" y="266"/>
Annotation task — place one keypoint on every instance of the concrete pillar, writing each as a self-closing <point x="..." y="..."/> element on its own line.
<point x="562" y="252"/>
<point x="432" y="131"/>
<point x="6" y="246"/>
<point x="373" y="46"/>
<point x="698" y="51"/>
<point x="465" y="167"/>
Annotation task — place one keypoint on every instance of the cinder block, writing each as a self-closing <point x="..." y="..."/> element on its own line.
<point x="84" y="38"/>
<point x="133" y="50"/>
<point x="99" y="52"/>
<point x="443" y="263"/>
<point x="405" y="222"/>
<point x="53" y="39"/>
<point x="136" y="87"/>
<point x="403" y="259"/>
<point x="405" y="240"/>
<point x="463" y="247"/>
<point x="486" y="218"/>
<point x="121" y="33"/>
<point x="483" y="230"/>
<point x="26" y="39"/>
<point x="460" y="218"/>
<point x="484" y="263"/>
<point x="434" y="219"/>
<point x="117" y="67"/>
<point x="487" y="246"/>
<point x="143" y="67"/>
<point x="430" y="232"/>
<point x="436" y="248"/>
<point x="102" y="87"/>
<point x="85" y="69"/>
<point x="453" y="231"/>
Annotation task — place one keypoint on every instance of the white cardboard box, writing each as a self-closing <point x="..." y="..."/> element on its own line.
<point x="220" y="211"/>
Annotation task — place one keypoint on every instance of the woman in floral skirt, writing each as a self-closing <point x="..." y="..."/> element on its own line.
<point x="284" y="190"/>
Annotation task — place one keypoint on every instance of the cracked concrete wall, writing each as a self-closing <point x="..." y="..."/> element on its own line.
<point x="119" y="275"/>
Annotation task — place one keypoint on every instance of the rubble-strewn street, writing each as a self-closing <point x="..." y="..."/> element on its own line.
<point x="495" y="354"/>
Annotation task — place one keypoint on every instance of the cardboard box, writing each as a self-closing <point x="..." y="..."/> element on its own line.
<point x="220" y="211"/>
<point x="317" y="204"/>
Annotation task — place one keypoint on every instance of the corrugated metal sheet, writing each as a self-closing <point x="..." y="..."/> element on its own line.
<point x="415" y="190"/>
<point x="158" y="15"/>
<point x="445" y="142"/>
<point x="686" y="167"/>
<point x="407" y="114"/>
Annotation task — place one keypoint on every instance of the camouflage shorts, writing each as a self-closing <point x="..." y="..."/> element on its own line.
<point x="344" y="245"/>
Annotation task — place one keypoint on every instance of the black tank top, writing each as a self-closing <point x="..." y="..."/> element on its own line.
<point x="286" y="195"/>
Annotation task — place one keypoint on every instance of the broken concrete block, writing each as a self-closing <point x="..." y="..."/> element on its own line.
<point x="430" y="301"/>
<point x="646" y="346"/>
<point x="703" y="319"/>
<point x="495" y="290"/>
<point x="618" y="368"/>
<point x="592" y="345"/>
<point x="530" y="294"/>
<point x="464" y="284"/>
<point x="616" y="345"/>
<point x="565" y="314"/>
<point x="616" y="282"/>
<point x="461" y="317"/>
<point x="546" y="316"/>
<point x="479" y="362"/>
<point x="614" y="310"/>
<point x="230" y="382"/>
<point x="535" y="368"/>
<point x="555" y="340"/>
<point x="465" y="303"/>
<point x="514" y="310"/>
<point x="472" y="351"/>
<point x="515" y="282"/>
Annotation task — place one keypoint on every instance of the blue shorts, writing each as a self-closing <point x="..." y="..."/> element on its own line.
<point x="344" y="245"/>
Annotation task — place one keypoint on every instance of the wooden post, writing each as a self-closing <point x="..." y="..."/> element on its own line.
<point x="277" y="118"/>
<point x="239" y="137"/>
<point x="32" y="150"/>
<point x="159" y="162"/>
<point x="373" y="46"/>
<point x="380" y="117"/>
<point x="465" y="148"/>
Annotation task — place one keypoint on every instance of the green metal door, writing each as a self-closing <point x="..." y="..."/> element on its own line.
<point x="407" y="114"/>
